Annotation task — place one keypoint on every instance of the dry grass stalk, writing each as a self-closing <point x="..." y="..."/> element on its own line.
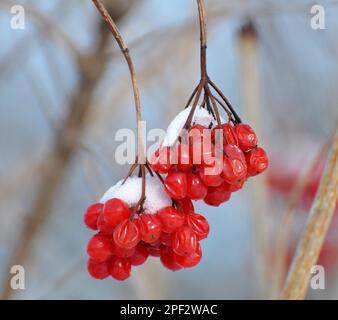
<point x="251" y="101"/>
<point x="321" y="213"/>
<point x="283" y="232"/>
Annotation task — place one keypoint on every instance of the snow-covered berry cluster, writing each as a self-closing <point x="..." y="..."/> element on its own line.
<point x="207" y="161"/>
<point x="126" y="237"/>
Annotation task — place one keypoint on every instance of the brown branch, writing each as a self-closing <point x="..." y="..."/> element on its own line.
<point x="65" y="145"/>
<point x="118" y="37"/>
<point x="203" y="38"/>
<point x="309" y="247"/>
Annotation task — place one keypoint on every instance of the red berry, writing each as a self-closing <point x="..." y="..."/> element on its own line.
<point x="184" y="163"/>
<point x="166" y="239"/>
<point x="192" y="259"/>
<point x="119" y="268"/>
<point x="171" y="219"/>
<point x="176" y="185"/>
<point x="234" y="170"/>
<point x="184" y="241"/>
<point x="211" y="175"/>
<point x="185" y="205"/>
<point x="154" y="251"/>
<point x="161" y="160"/>
<point x="122" y="252"/>
<point x="99" y="248"/>
<point x="92" y="214"/>
<point x="104" y="227"/>
<point x="216" y="197"/>
<point x="231" y="187"/>
<point x="247" y="138"/>
<point x="127" y="234"/>
<point x="232" y="151"/>
<point x="196" y="190"/>
<point x="202" y="153"/>
<point x="257" y="161"/>
<point x="115" y="211"/>
<point x="140" y="256"/>
<point x="198" y="224"/>
<point x="226" y="134"/>
<point x="97" y="270"/>
<point x="168" y="258"/>
<point x="150" y="227"/>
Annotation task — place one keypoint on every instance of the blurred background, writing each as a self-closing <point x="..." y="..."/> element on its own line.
<point x="65" y="91"/>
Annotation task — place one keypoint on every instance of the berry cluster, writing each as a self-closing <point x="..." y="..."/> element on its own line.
<point x="127" y="238"/>
<point x="211" y="163"/>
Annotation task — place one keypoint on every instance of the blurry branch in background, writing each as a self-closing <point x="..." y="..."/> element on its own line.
<point x="248" y="50"/>
<point x="310" y="245"/>
<point x="283" y="232"/>
<point x="91" y="69"/>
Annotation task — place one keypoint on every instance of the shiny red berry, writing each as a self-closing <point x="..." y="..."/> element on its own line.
<point x="92" y="214"/>
<point x="119" y="268"/>
<point x="168" y="259"/>
<point x="233" y="151"/>
<point x="127" y="235"/>
<point x="192" y="259"/>
<point x="196" y="190"/>
<point x="184" y="241"/>
<point x="161" y="161"/>
<point x="183" y="160"/>
<point x="215" y="197"/>
<point x="257" y="161"/>
<point x="154" y="250"/>
<point x="104" y="227"/>
<point x="140" y="256"/>
<point x="99" y="248"/>
<point x="226" y="134"/>
<point x="171" y="219"/>
<point x="122" y="252"/>
<point x="150" y="227"/>
<point x="211" y="175"/>
<point x="166" y="239"/>
<point x="185" y="205"/>
<point x="198" y="224"/>
<point x="234" y="170"/>
<point x="115" y="211"/>
<point x="98" y="270"/>
<point x="176" y="185"/>
<point x="247" y="138"/>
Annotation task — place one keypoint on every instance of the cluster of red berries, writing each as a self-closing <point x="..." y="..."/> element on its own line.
<point x="127" y="238"/>
<point x="211" y="163"/>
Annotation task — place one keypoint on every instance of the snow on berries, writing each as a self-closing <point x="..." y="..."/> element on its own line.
<point x="127" y="235"/>
<point x="206" y="160"/>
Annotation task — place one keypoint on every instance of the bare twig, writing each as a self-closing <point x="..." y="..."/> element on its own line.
<point x="117" y="35"/>
<point x="309" y="247"/>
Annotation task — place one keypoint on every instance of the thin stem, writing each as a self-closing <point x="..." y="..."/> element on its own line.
<point x="125" y="51"/>
<point x="203" y="38"/>
<point x="227" y="102"/>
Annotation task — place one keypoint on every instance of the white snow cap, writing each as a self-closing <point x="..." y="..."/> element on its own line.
<point x="201" y="116"/>
<point x="130" y="192"/>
